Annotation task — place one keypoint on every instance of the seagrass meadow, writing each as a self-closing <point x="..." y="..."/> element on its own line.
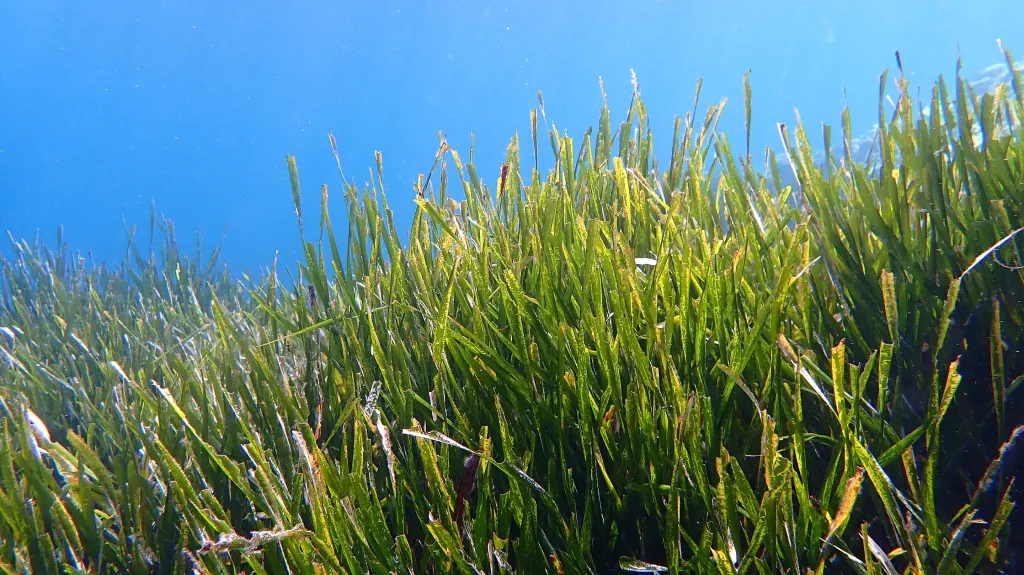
<point x="617" y="365"/>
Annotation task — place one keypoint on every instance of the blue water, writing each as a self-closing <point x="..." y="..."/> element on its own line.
<point x="109" y="106"/>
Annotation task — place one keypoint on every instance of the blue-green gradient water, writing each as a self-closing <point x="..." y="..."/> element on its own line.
<point x="107" y="107"/>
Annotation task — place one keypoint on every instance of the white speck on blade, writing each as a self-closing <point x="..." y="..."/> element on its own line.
<point x="37" y="425"/>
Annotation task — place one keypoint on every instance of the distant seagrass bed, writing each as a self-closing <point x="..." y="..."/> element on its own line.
<point x="619" y="365"/>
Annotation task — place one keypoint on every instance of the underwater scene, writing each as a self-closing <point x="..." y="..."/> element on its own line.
<point x="529" y="287"/>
